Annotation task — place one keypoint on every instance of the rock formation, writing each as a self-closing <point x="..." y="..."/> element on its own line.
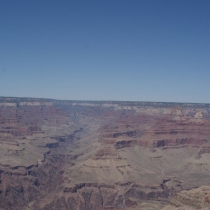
<point x="198" y="198"/>
<point x="83" y="155"/>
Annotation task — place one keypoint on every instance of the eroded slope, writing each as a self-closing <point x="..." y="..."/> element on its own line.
<point x="100" y="155"/>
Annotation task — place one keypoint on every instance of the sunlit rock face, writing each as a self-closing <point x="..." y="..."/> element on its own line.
<point x="103" y="155"/>
<point x="198" y="198"/>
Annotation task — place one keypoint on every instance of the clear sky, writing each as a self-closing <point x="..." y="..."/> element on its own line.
<point x="139" y="50"/>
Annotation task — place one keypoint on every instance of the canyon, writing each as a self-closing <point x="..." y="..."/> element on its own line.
<point x="98" y="155"/>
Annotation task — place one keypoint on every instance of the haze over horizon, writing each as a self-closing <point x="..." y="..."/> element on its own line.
<point x="139" y="50"/>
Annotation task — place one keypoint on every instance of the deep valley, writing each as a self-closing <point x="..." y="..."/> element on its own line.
<point x="97" y="155"/>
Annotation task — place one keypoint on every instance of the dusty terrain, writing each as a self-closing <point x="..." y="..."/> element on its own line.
<point x="86" y="155"/>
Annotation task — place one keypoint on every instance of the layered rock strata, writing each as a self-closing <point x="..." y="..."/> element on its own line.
<point x="102" y="155"/>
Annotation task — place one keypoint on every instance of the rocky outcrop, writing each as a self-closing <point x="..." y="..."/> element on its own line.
<point x="177" y="142"/>
<point x="106" y="153"/>
<point x="189" y="200"/>
<point x="101" y="196"/>
<point x="125" y="143"/>
<point x="118" y="134"/>
<point x="22" y="185"/>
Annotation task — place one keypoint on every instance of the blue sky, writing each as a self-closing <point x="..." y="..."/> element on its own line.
<point x="138" y="50"/>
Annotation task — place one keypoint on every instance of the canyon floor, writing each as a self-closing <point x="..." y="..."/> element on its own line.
<point x="98" y="155"/>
